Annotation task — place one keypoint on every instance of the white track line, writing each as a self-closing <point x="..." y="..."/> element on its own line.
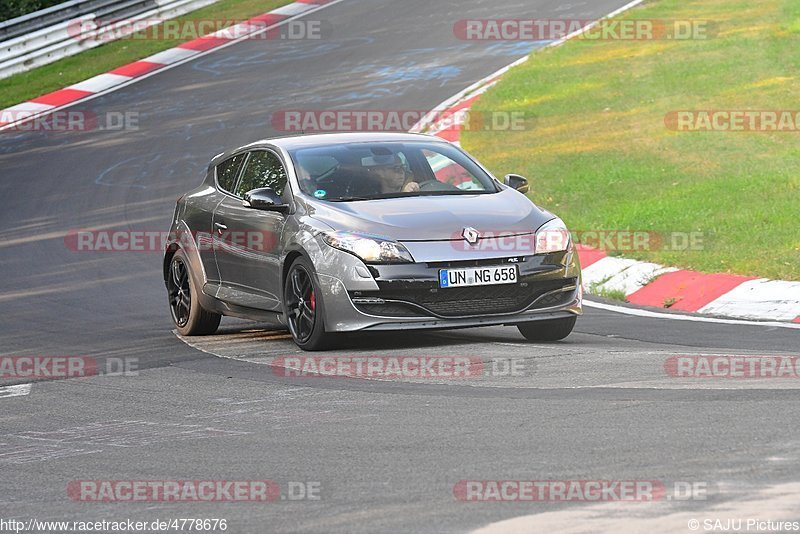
<point x="15" y="391"/>
<point x="679" y="317"/>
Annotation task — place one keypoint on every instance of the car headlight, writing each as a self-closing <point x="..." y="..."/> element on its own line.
<point x="370" y="248"/>
<point x="552" y="236"/>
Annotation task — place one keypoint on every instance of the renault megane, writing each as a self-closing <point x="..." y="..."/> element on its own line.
<point x="337" y="233"/>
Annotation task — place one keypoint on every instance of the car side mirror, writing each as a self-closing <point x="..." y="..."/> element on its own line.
<point x="264" y="198"/>
<point x="515" y="181"/>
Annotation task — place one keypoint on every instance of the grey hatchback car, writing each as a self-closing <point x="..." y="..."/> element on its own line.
<point x="337" y="233"/>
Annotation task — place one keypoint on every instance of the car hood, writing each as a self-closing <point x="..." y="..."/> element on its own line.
<point x="434" y="218"/>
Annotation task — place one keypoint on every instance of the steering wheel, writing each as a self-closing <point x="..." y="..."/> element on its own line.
<point x="325" y="177"/>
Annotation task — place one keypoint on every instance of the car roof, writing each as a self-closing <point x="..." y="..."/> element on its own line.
<point x="294" y="142"/>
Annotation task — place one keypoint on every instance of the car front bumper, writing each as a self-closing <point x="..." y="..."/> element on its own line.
<point x="407" y="296"/>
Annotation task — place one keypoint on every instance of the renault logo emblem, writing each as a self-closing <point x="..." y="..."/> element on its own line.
<point x="470" y="235"/>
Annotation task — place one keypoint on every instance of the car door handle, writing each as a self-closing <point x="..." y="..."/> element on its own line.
<point x="220" y="227"/>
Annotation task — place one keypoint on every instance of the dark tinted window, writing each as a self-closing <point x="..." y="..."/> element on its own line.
<point x="227" y="171"/>
<point x="365" y="171"/>
<point x="263" y="169"/>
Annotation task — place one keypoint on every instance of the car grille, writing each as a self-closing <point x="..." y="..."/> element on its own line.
<point x="462" y="301"/>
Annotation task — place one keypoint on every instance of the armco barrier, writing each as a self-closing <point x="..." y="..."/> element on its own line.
<point x="48" y="35"/>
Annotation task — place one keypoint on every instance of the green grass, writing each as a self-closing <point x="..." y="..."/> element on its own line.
<point x="27" y="85"/>
<point x="611" y="294"/>
<point x="598" y="152"/>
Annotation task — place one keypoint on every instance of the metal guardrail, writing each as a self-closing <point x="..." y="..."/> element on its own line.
<point x="53" y="33"/>
<point x="51" y="16"/>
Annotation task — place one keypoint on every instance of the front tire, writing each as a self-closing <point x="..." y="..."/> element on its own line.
<point x="548" y="330"/>
<point x="188" y="315"/>
<point x="304" y="308"/>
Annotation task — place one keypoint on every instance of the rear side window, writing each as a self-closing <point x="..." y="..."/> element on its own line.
<point x="227" y="171"/>
<point x="263" y="169"/>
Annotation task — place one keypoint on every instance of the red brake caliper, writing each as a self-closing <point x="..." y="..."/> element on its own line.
<point x="313" y="301"/>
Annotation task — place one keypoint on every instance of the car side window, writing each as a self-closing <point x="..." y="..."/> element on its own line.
<point x="227" y="171"/>
<point x="263" y="169"/>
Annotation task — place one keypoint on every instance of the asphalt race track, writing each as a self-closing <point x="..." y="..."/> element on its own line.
<point x="386" y="455"/>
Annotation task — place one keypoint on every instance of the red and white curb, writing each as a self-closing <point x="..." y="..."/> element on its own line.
<point x="120" y="77"/>
<point x="643" y="283"/>
<point x="726" y="295"/>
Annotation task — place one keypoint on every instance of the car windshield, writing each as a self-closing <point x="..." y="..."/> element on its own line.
<point x="367" y="171"/>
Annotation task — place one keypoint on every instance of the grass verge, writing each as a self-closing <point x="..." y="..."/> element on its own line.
<point x="27" y="85"/>
<point x="611" y="294"/>
<point x="600" y="155"/>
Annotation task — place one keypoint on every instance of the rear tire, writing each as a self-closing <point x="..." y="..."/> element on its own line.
<point x="548" y="330"/>
<point x="304" y="309"/>
<point x="188" y="315"/>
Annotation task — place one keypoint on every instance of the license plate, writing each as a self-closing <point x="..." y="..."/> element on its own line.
<point x="478" y="276"/>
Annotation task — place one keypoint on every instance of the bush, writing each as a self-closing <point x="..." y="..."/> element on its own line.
<point x="10" y="9"/>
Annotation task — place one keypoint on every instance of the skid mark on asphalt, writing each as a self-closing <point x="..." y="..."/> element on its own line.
<point x="36" y="446"/>
<point x="38" y="452"/>
<point x="66" y="287"/>
<point x="615" y="364"/>
<point x="286" y="408"/>
<point x="101" y="178"/>
<point x="223" y="65"/>
<point x="127" y="433"/>
<point x="60" y="232"/>
<point x="283" y="419"/>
